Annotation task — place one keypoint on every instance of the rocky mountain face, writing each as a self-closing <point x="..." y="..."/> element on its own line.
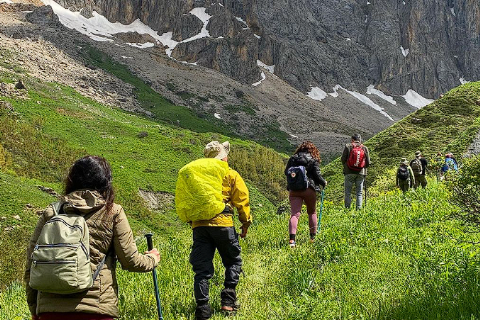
<point x="249" y="64"/>
<point x="424" y="45"/>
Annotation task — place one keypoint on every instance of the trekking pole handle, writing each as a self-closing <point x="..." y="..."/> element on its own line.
<point x="149" y="241"/>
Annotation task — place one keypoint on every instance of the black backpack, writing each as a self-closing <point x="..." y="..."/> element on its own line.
<point x="403" y="173"/>
<point x="297" y="178"/>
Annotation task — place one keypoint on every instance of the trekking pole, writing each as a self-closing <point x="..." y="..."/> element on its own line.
<point x="320" y="215"/>
<point x="154" y="273"/>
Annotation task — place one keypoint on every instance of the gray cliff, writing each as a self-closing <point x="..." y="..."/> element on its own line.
<point x="321" y="43"/>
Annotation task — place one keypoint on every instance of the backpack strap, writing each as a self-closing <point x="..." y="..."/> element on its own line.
<point x="100" y="265"/>
<point x="57" y="207"/>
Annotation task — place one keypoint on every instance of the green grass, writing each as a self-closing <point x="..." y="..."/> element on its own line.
<point x="20" y="200"/>
<point x="403" y="257"/>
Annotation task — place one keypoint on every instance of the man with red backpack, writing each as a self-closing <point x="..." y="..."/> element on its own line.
<point x="355" y="159"/>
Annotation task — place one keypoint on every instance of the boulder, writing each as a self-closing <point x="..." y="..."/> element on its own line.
<point x="186" y="27"/>
<point x="43" y="16"/>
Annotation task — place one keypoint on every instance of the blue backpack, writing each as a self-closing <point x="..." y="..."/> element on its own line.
<point x="297" y="178"/>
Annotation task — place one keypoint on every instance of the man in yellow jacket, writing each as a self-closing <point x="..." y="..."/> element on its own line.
<point x="217" y="233"/>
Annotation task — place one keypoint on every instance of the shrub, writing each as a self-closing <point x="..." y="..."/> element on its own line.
<point x="263" y="167"/>
<point x="142" y="134"/>
<point x="5" y="158"/>
<point x="466" y="189"/>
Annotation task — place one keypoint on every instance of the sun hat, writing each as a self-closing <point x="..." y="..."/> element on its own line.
<point x="217" y="150"/>
<point x="418" y="153"/>
<point x="404" y="161"/>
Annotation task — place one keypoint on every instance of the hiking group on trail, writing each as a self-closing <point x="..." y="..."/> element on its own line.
<point x="72" y="254"/>
<point x="411" y="175"/>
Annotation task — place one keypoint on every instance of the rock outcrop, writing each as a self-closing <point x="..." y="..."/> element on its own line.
<point x="425" y="45"/>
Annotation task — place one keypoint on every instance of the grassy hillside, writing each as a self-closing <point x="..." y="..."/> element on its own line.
<point x="401" y="257"/>
<point x="192" y="119"/>
<point x="51" y="126"/>
<point x="447" y="125"/>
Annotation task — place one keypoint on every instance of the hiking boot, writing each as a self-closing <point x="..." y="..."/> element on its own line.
<point x="229" y="301"/>
<point x="230" y="310"/>
<point x="203" y="312"/>
<point x="292" y="243"/>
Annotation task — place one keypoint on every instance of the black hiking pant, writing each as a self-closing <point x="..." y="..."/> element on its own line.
<point x="205" y="241"/>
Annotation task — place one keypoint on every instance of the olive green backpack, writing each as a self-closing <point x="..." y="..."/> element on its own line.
<point x="61" y="257"/>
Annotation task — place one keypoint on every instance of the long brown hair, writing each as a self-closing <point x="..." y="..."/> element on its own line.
<point x="308" y="146"/>
<point x="91" y="173"/>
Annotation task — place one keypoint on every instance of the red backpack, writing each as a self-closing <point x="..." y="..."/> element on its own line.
<point x="356" y="158"/>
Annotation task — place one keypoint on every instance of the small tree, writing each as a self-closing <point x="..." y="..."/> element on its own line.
<point x="466" y="189"/>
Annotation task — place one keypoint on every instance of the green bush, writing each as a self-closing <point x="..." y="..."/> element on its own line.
<point x="466" y="189"/>
<point x="263" y="167"/>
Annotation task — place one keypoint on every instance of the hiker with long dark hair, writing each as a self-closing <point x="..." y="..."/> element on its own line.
<point x="88" y="194"/>
<point x="303" y="180"/>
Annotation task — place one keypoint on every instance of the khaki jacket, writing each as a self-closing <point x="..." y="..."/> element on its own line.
<point x="107" y="230"/>
<point x="235" y="195"/>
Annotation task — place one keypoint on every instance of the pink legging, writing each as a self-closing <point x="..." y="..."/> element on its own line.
<point x="296" y="200"/>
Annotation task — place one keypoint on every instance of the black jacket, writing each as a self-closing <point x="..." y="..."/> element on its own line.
<point x="312" y="166"/>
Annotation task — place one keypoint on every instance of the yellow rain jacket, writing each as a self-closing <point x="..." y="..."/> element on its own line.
<point x="205" y="188"/>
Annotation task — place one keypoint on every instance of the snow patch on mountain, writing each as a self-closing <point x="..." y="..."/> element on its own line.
<point x="463" y="81"/>
<point x="257" y="83"/>
<point x="242" y="21"/>
<point x="201" y="14"/>
<point x="404" y="51"/>
<point x="369" y="102"/>
<point x="416" y="100"/>
<point x="166" y="40"/>
<point x="142" y="45"/>
<point x="98" y="27"/>
<point x="6" y="1"/>
<point x="371" y="90"/>
<point x="270" y="69"/>
<point x="317" y="94"/>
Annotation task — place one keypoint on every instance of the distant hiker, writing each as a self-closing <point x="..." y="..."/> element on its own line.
<point x="89" y="199"/>
<point x="450" y="163"/>
<point x="303" y="179"/>
<point x="207" y="192"/>
<point x="405" y="176"/>
<point x="419" y="167"/>
<point x="355" y="159"/>
<point x="438" y="164"/>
